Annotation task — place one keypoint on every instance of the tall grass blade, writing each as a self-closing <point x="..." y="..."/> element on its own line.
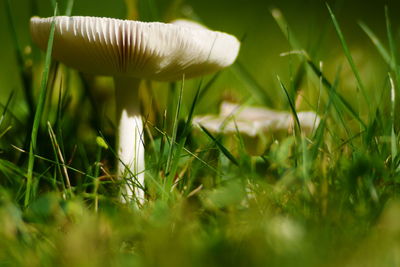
<point x="39" y="112"/>
<point x="70" y="6"/>
<point x="53" y="3"/>
<point x="393" y="137"/>
<point x="188" y="123"/>
<point x="327" y="84"/>
<point x="59" y="156"/>
<point x="284" y="27"/>
<point x="3" y="115"/>
<point x="220" y="146"/>
<point x="392" y="45"/>
<point x="75" y="170"/>
<point x="162" y="142"/>
<point x="294" y="45"/>
<point x="185" y="132"/>
<point x="348" y="55"/>
<point x="25" y="74"/>
<point x="57" y="165"/>
<point x="377" y="43"/>
<point x="190" y="153"/>
<point x="175" y="128"/>
<point x="292" y="106"/>
<point x="280" y="20"/>
<point x="170" y="176"/>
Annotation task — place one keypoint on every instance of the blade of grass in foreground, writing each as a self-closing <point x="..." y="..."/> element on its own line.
<point x="280" y="20"/>
<point x="70" y="6"/>
<point x="393" y="138"/>
<point x="59" y="158"/>
<point x="170" y="159"/>
<point x="3" y="115"/>
<point x="175" y="128"/>
<point x="188" y="152"/>
<point x="392" y="45"/>
<point x="327" y="84"/>
<point x="26" y="76"/>
<point x="220" y="146"/>
<point x="347" y="53"/>
<point x="292" y="107"/>
<point x="283" y="25"/>
<point x="39" y="112"/>
<point x="6" y="107"/>
<point x="184" y="134"/>
<point x="188" y="124"/>
<point x="378" y="44"/>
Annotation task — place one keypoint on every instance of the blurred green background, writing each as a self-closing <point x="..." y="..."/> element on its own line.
<point x="263" y="42"/>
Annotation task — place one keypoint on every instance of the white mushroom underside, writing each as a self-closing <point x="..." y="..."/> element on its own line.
<point x="156" y="51"/>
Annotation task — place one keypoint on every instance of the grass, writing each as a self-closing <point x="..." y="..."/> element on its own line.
<point x="325" y="199"/>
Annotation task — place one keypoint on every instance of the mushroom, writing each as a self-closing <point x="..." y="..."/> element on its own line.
<point x="255" y="124"/>
<point x="131" y="51"/>
<point x="267" y="119"/>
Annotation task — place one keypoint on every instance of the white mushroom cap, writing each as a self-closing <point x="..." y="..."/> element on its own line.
<point x="267" y="120"/>
<point x="156" y="51"/>
<point x="256" y="124"/>
<point x="253" y="121"/>
<point x="226" y="125"/>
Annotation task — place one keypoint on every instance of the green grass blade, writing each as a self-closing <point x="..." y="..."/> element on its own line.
<point x="393" y="137"/>
<point x="57" y="165"/>
<point x="280" y="20"/>
<point x="185" y="132"/>
<point x="348" y="55"/>
<point x="292" y="106"/>
<point x="284" y="27"/>
<point x="220" y="146"/>
<point x="53" y="4"/>
<point x="298" y="79"/>
<point x="12" y="167"/>
<point x="172" y="147"/>
<point x="188" y="123"/>
<point x="39" y="112"/>
<point x="6" y="107"/>
<point x="175" y="129"/>
<point x="377" y="43"/>
<point x="335" y="94"/>
<point x="70" y="6"/>
<point x="26" y="75"/>
<point x="171" y="106"/>
<point x="163" y="133"/>
<point x="59" y="157"/>
<point x="392" y="45"/>
<point x="75" y="170"/>
<point x="294" y="45"/>
<point x="162" y="142"/>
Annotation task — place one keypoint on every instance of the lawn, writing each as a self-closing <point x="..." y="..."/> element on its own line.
<point x="326" y="196"/>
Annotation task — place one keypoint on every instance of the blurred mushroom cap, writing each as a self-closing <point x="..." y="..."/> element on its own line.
<point x="255" y="124"/>
<point x="255" y="120"/>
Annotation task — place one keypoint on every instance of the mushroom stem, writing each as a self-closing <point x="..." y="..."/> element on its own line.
<point x="130" y="143"/>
